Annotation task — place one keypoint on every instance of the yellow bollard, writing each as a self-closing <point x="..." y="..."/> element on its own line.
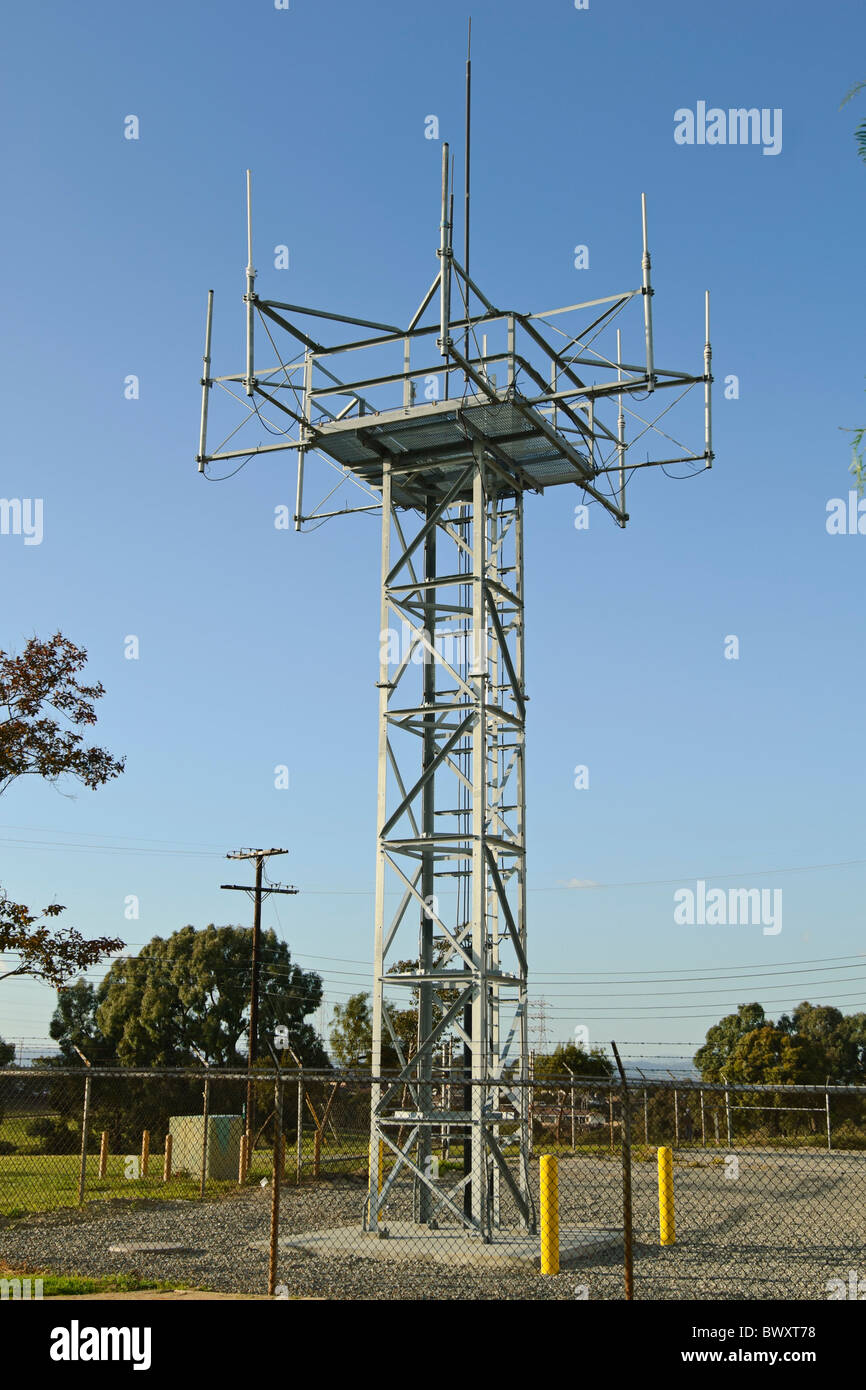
<point x="667" y="1225"/>
<point x="549" y="1214"/>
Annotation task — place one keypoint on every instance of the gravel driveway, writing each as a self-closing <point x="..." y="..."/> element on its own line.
<point x="781" y="1227"/>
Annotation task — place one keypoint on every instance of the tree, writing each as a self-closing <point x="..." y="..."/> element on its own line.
<point x="814" y="1044"/>
<point x="74" y="1025"/>
<point x="35" y="687"/>
<point x="568" y="1057"/>
<point x="352" y="1031"/>
<point x="192" y="991"/>
<point x="770" y="1056"/>
<point x="839" y="1039"/>
<point x="713" y="1059"/>
<point x="45" y="955"/>
<point x="852" y="1067"/>
<point x="7" y="1053"/>
<point x="860" y="132"/>
<point x="352" y="1034"/>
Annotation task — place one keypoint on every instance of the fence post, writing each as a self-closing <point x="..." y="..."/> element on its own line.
<point x="205" y="1117"/>
<point x="610" y="1113"/>
<point x="145" y="1151"/>
<point x="531" y="1105"/>
<point x="549" y="1215"/>
<point x="626" y="1180"/>
<point x="277" y="1178"/>
<point x="645" y="1117"/>
<point x="703" y="1124"/>
<point x="676" y="1118"/>
<point x="85" y="1131"/>
<point x="667" y="1224"/>
<point x="103" y="1153"/>
<point x="299" y="1144"/>
<point x="242" y="1158"/>
<point x="829" y="1135"/>
<point x="166" y="1166"/>
<point x="728" y="1115"/>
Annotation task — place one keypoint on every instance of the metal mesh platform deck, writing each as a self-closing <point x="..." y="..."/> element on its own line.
<point x="435" y="437"/>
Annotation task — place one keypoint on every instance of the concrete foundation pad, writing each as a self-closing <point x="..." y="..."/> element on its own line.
<point x="450" y="1245"/>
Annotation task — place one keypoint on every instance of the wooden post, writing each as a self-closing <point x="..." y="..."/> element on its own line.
<point x="317" y="1152"/>
<point x="299" y="1145"/>
<point x="145" y="1151"/>
<point x="242" y="1159"/>
<point x="166" y="1167"/>
<point x="103" y="1154"/>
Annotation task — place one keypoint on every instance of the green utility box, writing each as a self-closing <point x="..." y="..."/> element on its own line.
<point x="223" y="1144"/>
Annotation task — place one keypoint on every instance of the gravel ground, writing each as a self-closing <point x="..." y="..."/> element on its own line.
<point x="780" y="1228"/>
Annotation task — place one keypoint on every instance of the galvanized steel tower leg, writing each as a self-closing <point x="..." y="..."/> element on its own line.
<point x="450" y="812"/>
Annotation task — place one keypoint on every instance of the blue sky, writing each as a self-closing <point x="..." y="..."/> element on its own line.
<point x="258" y="647"/>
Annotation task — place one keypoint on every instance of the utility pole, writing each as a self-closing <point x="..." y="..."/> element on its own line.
<point x="257" y="893"/>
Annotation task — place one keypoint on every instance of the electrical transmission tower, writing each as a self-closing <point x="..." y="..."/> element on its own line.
<point x="538" y="1011"/>
<point x="445" y="424"/>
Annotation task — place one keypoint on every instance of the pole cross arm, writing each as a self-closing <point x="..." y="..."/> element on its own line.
<point x="250" y="888"/>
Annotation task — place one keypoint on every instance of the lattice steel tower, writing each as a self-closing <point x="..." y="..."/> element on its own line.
<point x="446" y="423"/>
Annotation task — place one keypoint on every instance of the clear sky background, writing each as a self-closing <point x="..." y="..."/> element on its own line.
<point x="259" y="647"/>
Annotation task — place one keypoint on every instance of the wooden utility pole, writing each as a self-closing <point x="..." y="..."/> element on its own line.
<point x="258" y="892"/>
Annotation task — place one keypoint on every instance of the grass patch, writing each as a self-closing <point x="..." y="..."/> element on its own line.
<point x="57" y="1284"/>
<point x="31" y="1183"/>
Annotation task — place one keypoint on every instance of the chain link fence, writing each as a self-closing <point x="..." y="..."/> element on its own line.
<point x="216" y="1181"/>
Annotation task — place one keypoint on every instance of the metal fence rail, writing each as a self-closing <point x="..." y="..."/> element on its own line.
<point x="648" y="1190"/>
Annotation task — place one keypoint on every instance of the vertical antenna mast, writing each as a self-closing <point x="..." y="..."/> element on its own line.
<point x="205" y="385"/>
<point x="647" y="299"/>
<point x="467" y="185"/>
<point x="250" y="296"/>
<point x="708" y="409"/>
<point x="445" y="270"/>
<point x="620" y="428"/>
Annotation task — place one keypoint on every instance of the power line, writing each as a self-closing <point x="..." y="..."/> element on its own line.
<point x="585" y="886"/>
